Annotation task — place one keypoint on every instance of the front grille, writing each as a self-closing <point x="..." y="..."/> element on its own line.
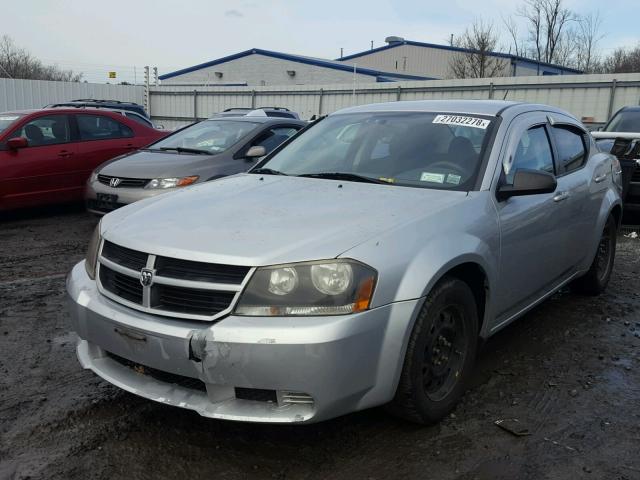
<point x="161" y="376"/>
<point x="256" y="394"/>
<point x="124" y="256"/>
<point x="636" y="175"/>
<point x="121" y="285"/>
<point x="190" y="300"/>
<point x="199" y="271"/>
<point x="178" y="288"/>
<point x="124" y="182"/>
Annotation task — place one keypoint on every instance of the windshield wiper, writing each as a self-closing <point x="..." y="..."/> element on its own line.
<point x="350" y="177"/>
<point x="185" y="150"/>
<point x="267" y="171"/>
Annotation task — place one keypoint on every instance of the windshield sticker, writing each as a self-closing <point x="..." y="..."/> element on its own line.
<point x="388" y="180"/>
<point x="8" y="119"/>
<point x="432" y="177"/>
<point x="462" y="121"/>
<point x="455" y="179"/>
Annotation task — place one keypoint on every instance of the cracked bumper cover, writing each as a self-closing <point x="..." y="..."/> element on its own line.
<point x="345" y="363"/>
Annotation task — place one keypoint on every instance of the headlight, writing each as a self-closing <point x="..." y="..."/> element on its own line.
<point x="172" y="182"/>
<point x="93" y="177"/>
<point x="331" y="287"/>
<point x="92" y="253"/>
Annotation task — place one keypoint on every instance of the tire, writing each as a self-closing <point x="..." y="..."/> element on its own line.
<point x="440" y="354"/>
<point x="595" y="281"/>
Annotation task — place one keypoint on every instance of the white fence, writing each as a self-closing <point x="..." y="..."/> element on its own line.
<point x="25" y="94"/>
<point x="592" y="98"/>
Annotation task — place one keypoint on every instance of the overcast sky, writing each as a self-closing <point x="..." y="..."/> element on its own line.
<point x="95" y="37"/>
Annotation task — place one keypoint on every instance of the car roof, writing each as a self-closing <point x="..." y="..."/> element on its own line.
<point x="231" y="118"/>
<point x="630" y="108"/>
<point x="471" y="107"/>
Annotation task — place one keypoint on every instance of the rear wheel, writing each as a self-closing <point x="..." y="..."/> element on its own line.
<point x="440" y="354"/>
<point x="596" y="279"/>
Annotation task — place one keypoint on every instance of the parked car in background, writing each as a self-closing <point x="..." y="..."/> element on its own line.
<point x="358" y="265"/>
<point x="203" y="151"/>
<point x="46" y="156"/>
<point x="135" y="116"/>
<point x="110" y="104"/>
<point x="280" y="112"/>
<point x="621" y="136"/>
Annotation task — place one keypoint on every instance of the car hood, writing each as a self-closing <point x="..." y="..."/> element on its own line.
<point x="148" y="164"/>
<point x="256" y="220"/>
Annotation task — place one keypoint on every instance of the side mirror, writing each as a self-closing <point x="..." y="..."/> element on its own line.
<point x="528" y="182"/>
<point x="256" y="151"/>
<point x="17" y="142"/>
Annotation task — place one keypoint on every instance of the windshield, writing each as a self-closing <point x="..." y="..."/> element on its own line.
<point x="414" y="149"/>
<point x="624" y="121"/>
<point x="209" y="136"/>
<point x="8" y="119"/>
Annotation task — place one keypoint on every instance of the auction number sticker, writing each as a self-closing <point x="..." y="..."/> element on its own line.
<point x="462" y="121"/>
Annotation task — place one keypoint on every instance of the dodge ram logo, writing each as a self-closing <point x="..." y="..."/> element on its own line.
<point x="146" y="277"/>
<point x="114" y="182"/>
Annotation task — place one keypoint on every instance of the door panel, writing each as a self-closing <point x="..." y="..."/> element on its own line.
<point x="532" y="227"/>
<point x="584" y="195"/>
<point x="42" y="172"/>
<point x="101" y="138"/>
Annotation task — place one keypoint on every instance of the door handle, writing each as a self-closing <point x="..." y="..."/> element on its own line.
<point x="65" y="153"/>
<point x="600" y="178"/>
<point x="561" y="196"/>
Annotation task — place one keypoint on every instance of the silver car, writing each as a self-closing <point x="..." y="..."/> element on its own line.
<point x="201" y="152"/>
<point x="359" y="265"/>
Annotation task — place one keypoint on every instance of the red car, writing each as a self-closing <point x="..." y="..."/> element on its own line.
<point x="46" y="156"/>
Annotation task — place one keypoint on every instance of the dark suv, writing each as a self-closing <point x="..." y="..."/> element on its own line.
<point x="109" y="104"/>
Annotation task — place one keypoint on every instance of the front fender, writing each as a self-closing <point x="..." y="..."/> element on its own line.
<point x="411" y="259"/>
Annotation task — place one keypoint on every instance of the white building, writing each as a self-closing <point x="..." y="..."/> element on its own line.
<point x="258" y="67"/>
<point x="431" y="60"/>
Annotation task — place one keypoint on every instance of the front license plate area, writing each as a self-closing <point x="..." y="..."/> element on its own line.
<point x="106" y="201"/>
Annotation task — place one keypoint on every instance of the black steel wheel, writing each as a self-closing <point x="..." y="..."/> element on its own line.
<point x="596" y="279"/>
<point x="440" y="354"/>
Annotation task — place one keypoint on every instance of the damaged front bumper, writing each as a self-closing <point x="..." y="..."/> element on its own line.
<point x="258" y="369"/>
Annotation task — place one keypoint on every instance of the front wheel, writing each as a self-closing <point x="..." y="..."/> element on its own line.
<point x="440" y="354"/>
<point x="597" y="277"/>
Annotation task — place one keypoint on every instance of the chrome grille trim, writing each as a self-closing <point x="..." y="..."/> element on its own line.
<point x="125" y="182"/>
<point x="174" y="282"/>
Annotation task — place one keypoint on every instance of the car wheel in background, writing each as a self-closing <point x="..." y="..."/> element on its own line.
<point x="596" y="279"/>
<point x="440" y="354"/>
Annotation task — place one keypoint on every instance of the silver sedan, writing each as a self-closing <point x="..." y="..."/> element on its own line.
<point x="360" y="265"/>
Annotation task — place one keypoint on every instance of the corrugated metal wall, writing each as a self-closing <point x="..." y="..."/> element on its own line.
<point x="589" y="97"/>
<point x="25" y="94"/>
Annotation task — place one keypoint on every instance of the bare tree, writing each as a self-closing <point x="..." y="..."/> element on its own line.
<point x="518" y="44"/>
<point x="588" y="38"/>
<point x="16" y="62"/>
<point x="547" y="22"/>
<point x="477" y="59"/>
<point x="622" y="60"/>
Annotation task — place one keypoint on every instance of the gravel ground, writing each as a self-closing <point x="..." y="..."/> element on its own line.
<point x="569" y="371"/>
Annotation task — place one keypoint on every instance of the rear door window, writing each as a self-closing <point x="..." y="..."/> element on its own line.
<point x="570" y="146"/>
<point x="46" y="130"/>
<point x="101" y="127"/>
<point x="138" y="118"/>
